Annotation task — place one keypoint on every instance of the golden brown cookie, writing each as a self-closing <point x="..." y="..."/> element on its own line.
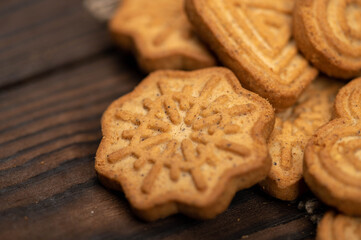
<point x="335" y="226"/>
<point x="332" y="166"/>
<point x="159" y="34"/>
<point x="253" y="38"/>
<point x="185" y="142"/>
<point x="293" y="128"/>
<point x="328" y="32"/>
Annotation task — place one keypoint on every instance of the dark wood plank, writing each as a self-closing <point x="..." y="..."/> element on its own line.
<point x="49" y="132"/>
<point x="37" y="36"/>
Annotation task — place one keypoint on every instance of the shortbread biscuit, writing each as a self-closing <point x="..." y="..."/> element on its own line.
<point x="293" y="128"/>
<point x="253" y="38"/>
<point x="328" y="32"/>
<point x="335" y="226"/>
<point x="159" y="34"/>
<point x="185" y="142"/>
<point x="332" y="166"/>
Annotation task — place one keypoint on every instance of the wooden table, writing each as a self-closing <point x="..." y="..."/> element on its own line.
<point x="58" y="73"/>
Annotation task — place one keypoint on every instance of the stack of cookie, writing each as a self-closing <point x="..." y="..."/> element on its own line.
<point x="188" y="141"/>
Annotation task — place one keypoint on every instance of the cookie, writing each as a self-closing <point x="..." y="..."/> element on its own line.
<point x="293" y="128"/>
<point x="185" y="142"/>
<point x="328" y="33"/>
<point x="332" y="166"/>
<point x="335" y="226"/>
<point x="253" y="38"/>
<point x="159" y="34"/>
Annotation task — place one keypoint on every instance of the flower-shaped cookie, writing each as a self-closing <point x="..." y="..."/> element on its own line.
<point x="159" y="34"/>
<point x="332" y="166"/>
<point x="185" y="142"/>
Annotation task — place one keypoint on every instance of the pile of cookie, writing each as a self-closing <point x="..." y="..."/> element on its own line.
<point x="187" y="141"/>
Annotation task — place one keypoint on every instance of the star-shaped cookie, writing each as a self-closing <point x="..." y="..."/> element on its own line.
<point x="159" y="34"/>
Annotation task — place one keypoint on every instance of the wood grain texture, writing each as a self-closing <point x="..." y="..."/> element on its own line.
<point x="50" y="130"/>
<point x="37" y="36"/>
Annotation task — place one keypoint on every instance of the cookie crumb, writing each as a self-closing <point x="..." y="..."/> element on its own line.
<point x="301" y="205"/>
<point x="311" y="205"/>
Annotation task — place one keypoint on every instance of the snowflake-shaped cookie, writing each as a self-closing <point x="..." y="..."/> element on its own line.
<point x="185" y="142"/>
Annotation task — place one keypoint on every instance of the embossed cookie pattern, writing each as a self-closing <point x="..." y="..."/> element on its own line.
<point x="253" y="38"/>
<point x="160" y="35"/>
<point x="185" y="139"/>
<point x="335" y="226"/>
<point x="293" y="128"/>
<point x="328" y="32"/>
<point x="333" y="157"/>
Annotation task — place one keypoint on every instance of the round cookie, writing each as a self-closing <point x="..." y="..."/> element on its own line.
<point x="328" y="33"/>
<point x="332" y="166"/>
<point x="335" y="226"/>
<point x="185" y="142"/>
